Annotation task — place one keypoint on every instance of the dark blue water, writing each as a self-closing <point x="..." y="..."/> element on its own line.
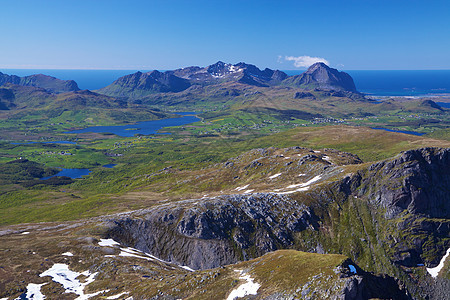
<point x="443" y="104"/>
<point x="145" y="128"/>
<point x="76" y="173"/>
<point x="72" y="173"/>
<point x="378" y="82"/>
<point x="109" y="166"/>
<point x="401" y="131"/>
<point x="86" y="79"/>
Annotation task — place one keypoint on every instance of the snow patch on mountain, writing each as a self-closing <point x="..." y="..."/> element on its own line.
<point x="61" y="274"/>
<point x="248" y="288"/>
<point x="435" y="271"/>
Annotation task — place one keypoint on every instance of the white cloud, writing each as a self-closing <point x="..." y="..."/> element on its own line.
<point x="305" y="61"/>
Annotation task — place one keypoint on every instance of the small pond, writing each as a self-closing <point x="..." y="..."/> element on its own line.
<point x="76" y="173"/>
<point x="109" y="166"/>
<point x="400" y="131"/>
<point x="72" y="173"/>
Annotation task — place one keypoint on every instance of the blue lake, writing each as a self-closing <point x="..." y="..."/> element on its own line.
<point x="76" y="173"/>
<point x="400" y="131"/>
<point x="109" y="166"/>
<point x="72" y="173"/>
<point x="145" y="127"/>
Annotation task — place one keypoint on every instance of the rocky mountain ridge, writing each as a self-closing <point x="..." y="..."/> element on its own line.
<point x="51" y="84"/>
<point x="139" y="84"/>
<point x="16" y="97"/>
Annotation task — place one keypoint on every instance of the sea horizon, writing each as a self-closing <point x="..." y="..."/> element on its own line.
<point x="369" y="82"/>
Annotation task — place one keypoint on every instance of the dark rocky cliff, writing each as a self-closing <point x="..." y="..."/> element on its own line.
<point x="417" y="181"/>
<point x="216" y="231"/>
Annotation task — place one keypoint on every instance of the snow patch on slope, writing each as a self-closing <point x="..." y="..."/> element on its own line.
<point x="133" y="252"/>
<point x="248" y="288"/>
<point x="275" y="176"/>
<point x="108" y="242"/>
<point x="61" y="274"/>
<point x="300" y="187"/>
<point x="33" y="292"/>
<point x="117" y="296"/>
<point x="242" y="187"/>
<point x="435" y="271"/>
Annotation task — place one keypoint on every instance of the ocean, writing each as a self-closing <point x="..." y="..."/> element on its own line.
<point x="377" y="83"/>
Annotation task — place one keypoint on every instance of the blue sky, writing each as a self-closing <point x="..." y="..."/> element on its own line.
<point x="167" y="34"/>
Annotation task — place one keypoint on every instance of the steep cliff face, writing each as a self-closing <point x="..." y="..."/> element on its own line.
<point x="217" y="231"/>
<point x="402" y="212"/>
<point x="417" y="181"/>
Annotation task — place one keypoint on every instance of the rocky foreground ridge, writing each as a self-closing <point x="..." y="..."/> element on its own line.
<point x="357" y="231"/>
<point x="387" y="217"/>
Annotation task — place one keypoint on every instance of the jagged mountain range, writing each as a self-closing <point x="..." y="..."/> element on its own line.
<point x="220" y="86"/>
<point x="241" y="72"/>
<point x="140" y="84"/>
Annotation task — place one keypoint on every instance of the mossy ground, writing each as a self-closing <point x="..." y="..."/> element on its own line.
<point x="153" y="169"/>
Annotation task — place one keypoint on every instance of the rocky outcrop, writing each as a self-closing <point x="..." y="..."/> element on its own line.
<point x="51" y="84"/>
<point x="215" y="231"/>
<point x="417" y="181"/>
<point x="304" y="95"/>
<point x="321" y="76"/>
<point x="410" y="194"/>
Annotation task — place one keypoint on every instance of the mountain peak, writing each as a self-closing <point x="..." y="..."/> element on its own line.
<point x="318" y="65"/>
<point x="321" y="76"/>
